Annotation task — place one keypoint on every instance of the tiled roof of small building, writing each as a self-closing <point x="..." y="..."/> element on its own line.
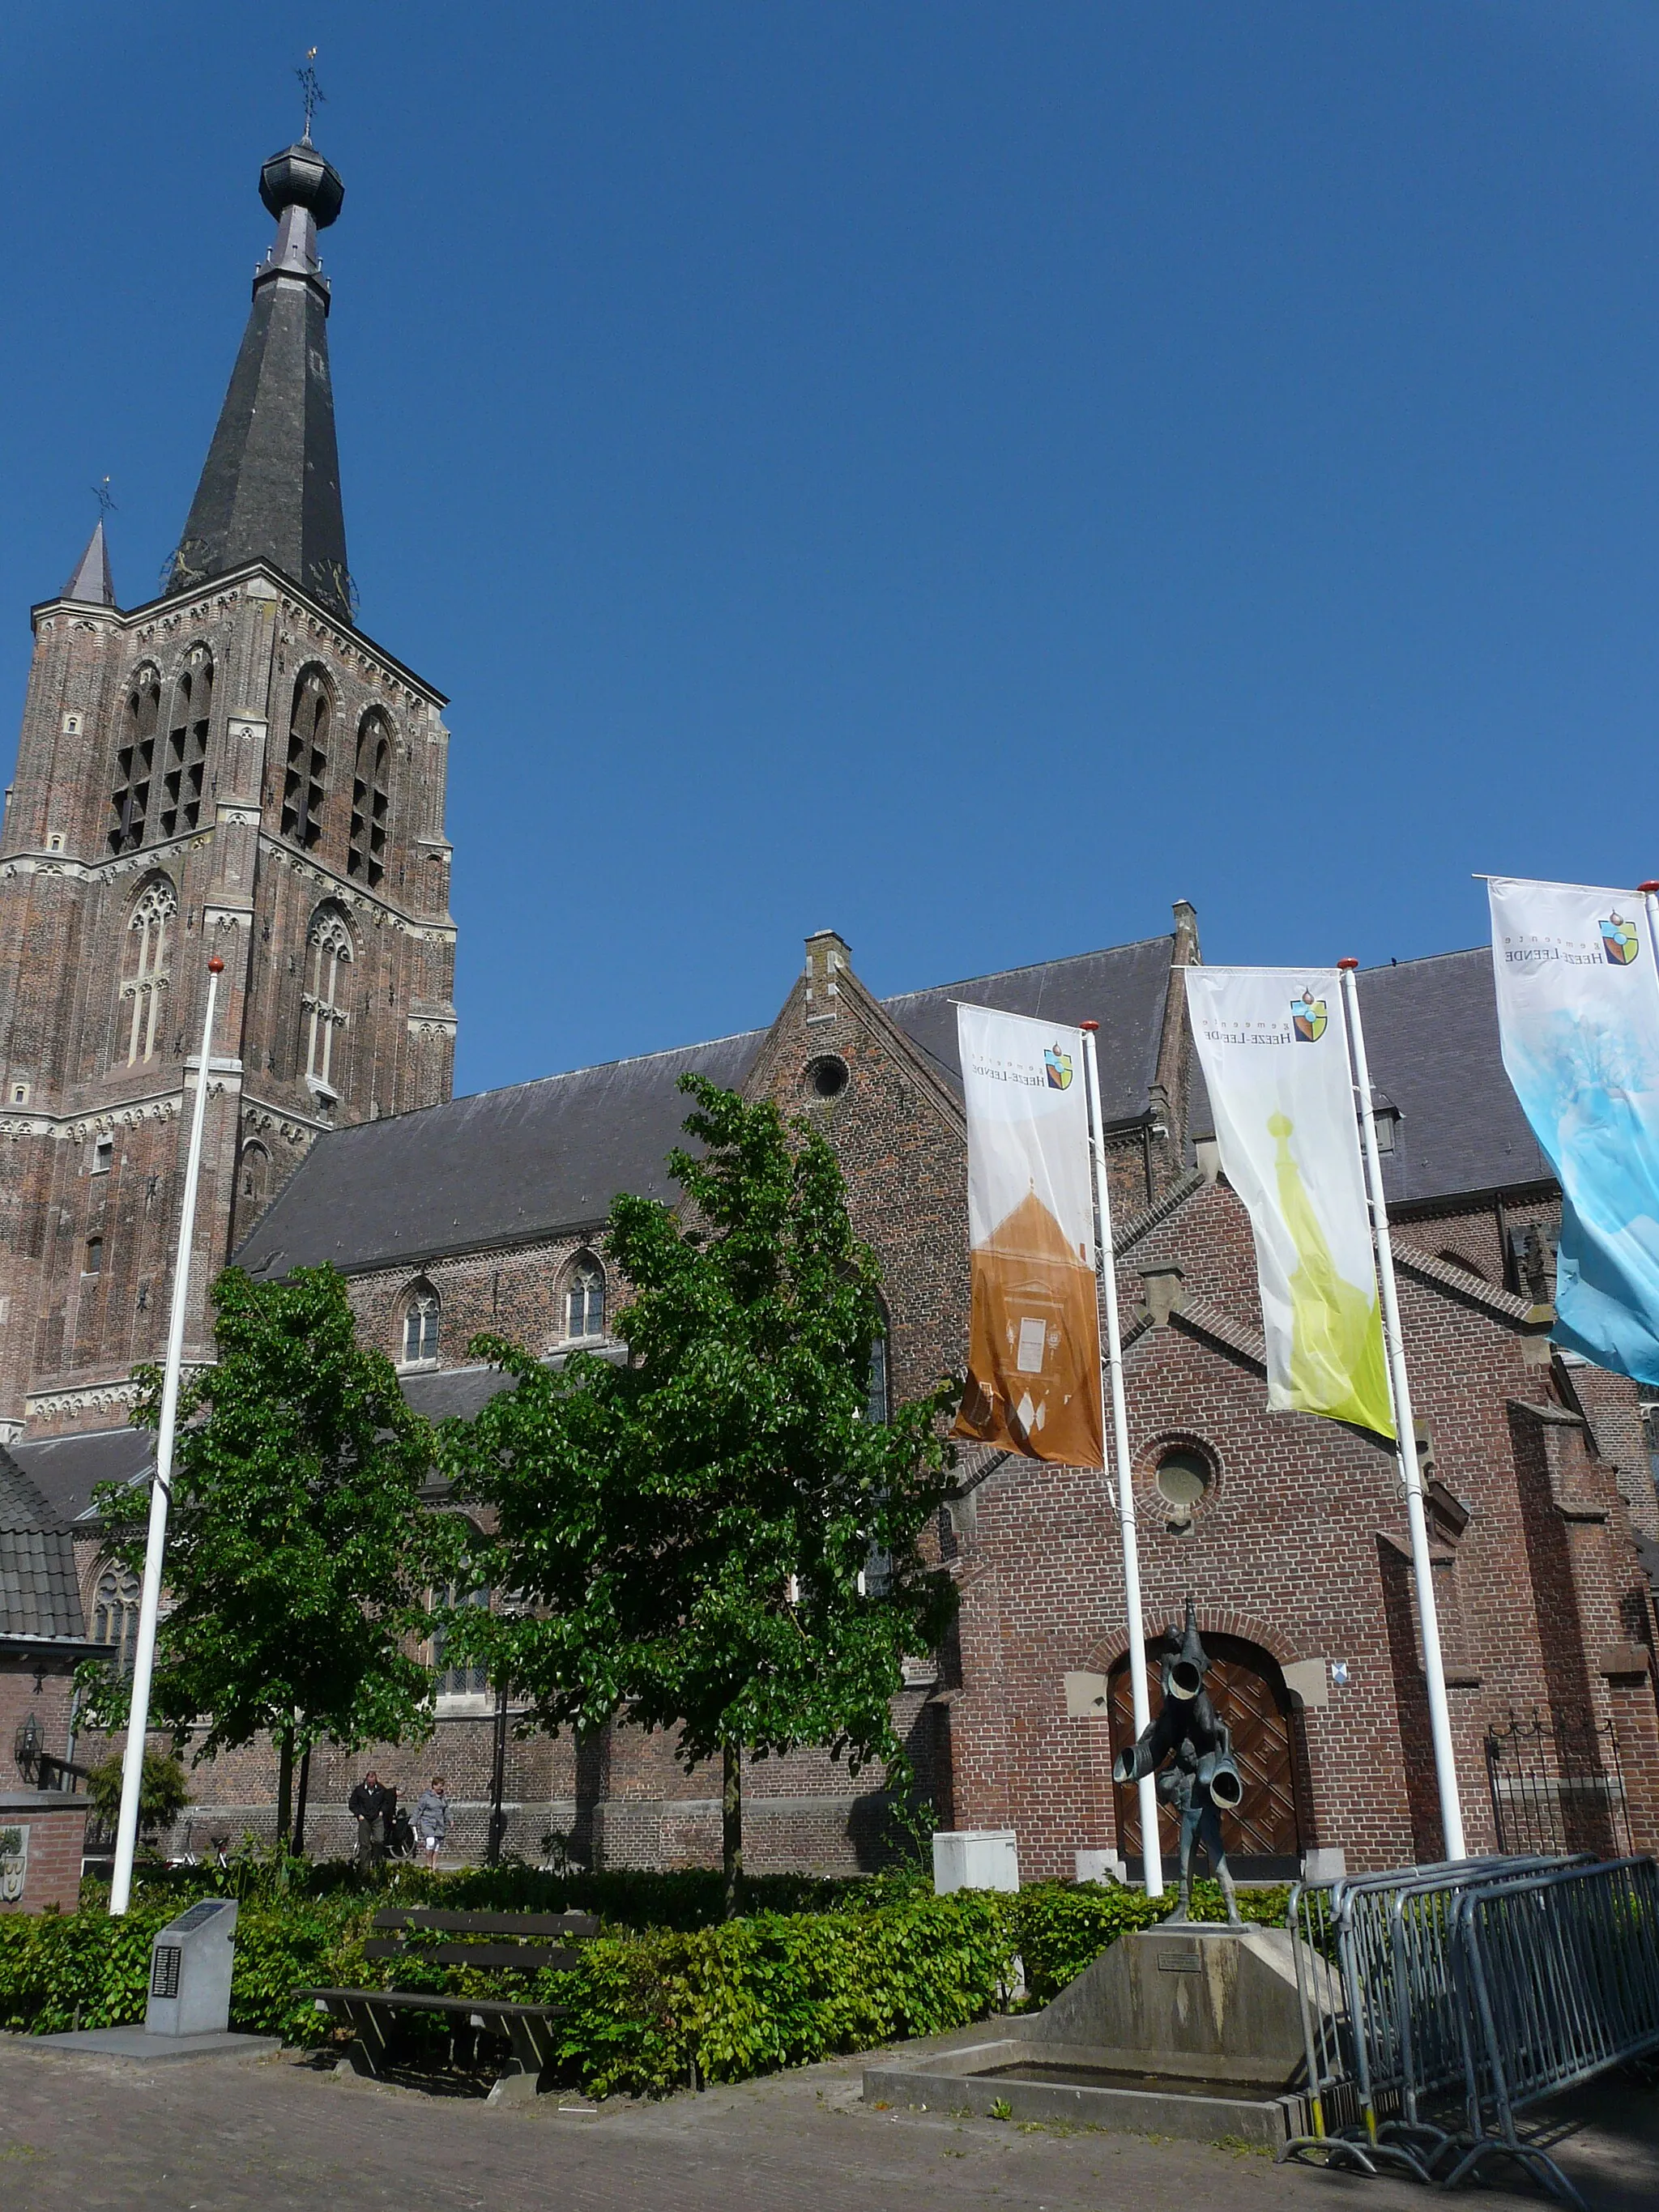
<point x="546" y="1158"/>
<point x="39" y="1591"/>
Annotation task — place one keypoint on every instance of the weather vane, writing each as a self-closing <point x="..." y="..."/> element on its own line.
<point x="312" y="91"/>
<point x="104" y="498"/>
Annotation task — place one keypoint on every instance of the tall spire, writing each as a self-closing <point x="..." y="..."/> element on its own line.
<point x="92" y="583"/>
<point x="270" y="487"/>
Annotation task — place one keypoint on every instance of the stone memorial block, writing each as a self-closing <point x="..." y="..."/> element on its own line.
<point x="190" y="1969"/>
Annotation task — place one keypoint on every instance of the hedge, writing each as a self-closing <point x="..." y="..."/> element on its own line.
<point x="652" y="2008"/>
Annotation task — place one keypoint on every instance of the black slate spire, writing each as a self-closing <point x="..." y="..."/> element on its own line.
<point x="92" y="582"/>
<point x="271" y="488"/>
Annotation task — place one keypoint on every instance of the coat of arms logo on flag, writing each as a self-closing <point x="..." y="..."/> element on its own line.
<point x="1619" y="941"/>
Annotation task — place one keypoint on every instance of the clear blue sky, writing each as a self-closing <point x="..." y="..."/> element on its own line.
<point x="965" y="476"/>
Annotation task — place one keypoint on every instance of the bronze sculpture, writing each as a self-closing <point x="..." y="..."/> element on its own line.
<point x="1201" y="1780"/>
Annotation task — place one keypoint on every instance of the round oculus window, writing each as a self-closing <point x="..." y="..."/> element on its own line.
<point x="1183" y="1476"/>
<point x="827" y="1077"/>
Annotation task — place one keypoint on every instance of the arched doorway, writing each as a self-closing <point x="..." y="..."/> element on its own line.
<point x="1264" y="1837"/>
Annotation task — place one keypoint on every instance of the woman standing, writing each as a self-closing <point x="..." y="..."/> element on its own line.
<point x="432" y="1821"/>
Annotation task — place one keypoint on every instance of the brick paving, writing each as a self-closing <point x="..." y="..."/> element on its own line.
<point x="84" y="2134"/>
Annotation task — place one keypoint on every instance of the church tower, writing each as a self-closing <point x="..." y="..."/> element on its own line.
<point x="232" y="767"/>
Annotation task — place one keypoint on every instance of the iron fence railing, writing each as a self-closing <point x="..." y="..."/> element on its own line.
<point x="1558" y="1785"/>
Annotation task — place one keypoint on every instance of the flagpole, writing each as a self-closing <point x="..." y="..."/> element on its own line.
<point x="1445" y="1763"/>
<point x="1152" y="1849"/>
<point x="161" y="1489"/>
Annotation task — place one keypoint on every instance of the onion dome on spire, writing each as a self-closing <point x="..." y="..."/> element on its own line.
<point x="270" y="487"/>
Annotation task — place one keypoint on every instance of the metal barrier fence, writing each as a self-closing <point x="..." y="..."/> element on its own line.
<point x="1560" y="1980"/>
<point x="1505" y="1980"/>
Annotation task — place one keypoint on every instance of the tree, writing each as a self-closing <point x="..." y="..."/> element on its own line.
<point x="163" y="1793"/>
<point x="299" y="1555"/>
<point x="691" y="1538"/>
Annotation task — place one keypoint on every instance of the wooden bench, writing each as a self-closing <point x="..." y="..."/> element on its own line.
<point x="374" y="2015"/>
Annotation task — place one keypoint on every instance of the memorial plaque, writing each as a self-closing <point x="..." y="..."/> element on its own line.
<point x="190" y="1969"/>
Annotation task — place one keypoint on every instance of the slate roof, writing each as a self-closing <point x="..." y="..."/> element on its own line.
<point x="500" y="1166"/>
<point x="39" y="1591"/>
<point x="1431" y="1044"/>
<point x="546" y="1158"/>
<point x="269" y="488"/>
<point x="92" y="584"/>
<point x="1122" y="989"/>
<point x="62" y="1470"/>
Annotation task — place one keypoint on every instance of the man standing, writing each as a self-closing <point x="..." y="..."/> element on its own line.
<point x="370" y="1805"/>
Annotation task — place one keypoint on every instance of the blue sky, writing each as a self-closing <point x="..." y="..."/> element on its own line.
<point x="964" y="476"/>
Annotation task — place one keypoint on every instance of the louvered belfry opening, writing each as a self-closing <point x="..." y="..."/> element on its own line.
<point x="186" y="747"/>
<point x="135" y="761"/>
<point x="366" y="857"/>
<point x="307" y="759"/>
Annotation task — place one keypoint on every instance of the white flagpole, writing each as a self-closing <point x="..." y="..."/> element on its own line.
<point x="1152" y="1851"/>
<point x="1651" y="904"/>
<point x="1445" y="1763"/>
<point x="161" y="1489"/>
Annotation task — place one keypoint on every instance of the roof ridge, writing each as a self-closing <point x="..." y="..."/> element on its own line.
<point x="1029" y="967"/>
<point x="537" y="1082"/>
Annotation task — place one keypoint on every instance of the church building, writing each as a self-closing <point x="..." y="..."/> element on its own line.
<point x="234" y="767"/>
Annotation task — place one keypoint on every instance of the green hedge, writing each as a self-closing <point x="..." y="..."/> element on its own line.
<point x="651" y="2009"/>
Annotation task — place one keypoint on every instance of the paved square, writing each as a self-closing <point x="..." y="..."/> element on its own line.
<point x="81" y="2134"/>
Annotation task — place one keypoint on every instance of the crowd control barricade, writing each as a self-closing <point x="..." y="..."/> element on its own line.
<point x="1558" y="1981"/>
<point x="1397" y="2046"/>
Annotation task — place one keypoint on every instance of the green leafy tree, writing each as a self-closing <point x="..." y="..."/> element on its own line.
<point x="163" y="1793"/>
<point x="300" y="1555"/>
<point x="691" y="1537"/>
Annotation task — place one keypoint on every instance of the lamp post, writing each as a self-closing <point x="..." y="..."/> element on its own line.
<point x="161" y="1490"/>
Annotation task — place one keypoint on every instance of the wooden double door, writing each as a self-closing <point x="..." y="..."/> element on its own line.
<point x="1263" y="1838"/>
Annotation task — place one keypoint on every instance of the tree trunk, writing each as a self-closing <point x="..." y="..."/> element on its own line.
<point x="284" y="1786"/>
<point x="731" y="1822"/>
<point x="300" y="1795"/>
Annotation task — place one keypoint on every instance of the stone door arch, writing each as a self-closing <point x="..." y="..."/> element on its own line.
<point x="1265" y="1837"/>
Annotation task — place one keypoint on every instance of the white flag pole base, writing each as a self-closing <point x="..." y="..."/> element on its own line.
<point x="1434" y="1672"/>
<point x="1152" y="1855"/>
<point x="150" y="1602"/>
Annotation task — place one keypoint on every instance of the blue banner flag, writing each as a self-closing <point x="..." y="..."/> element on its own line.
<point x="1579" y="1014"/>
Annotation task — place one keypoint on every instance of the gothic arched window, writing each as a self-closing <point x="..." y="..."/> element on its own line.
<point x="877" y="1393"/>
<point x="115" y="1617"/>
<point x="328" y="956"/>
<point x="422" y="1313"/>
<point x="255" y="1173"/>
<point x="147" y="965"/>
<point x="584" y="1301"/>
<point x="367" y="855"/>
<point x="134" y="761"/>
<point x="307" y="759"/>
<point x="186" y="750"/>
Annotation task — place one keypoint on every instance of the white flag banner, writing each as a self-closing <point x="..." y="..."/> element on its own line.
<point x="1033" y="1339"/>
<point x="1578" y="1013"/>
<point x="1273" y="1046"/>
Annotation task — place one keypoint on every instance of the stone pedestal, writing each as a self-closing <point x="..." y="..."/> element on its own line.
<point x="1216" y="2003"/>
<point x="1192" y="2031"/>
